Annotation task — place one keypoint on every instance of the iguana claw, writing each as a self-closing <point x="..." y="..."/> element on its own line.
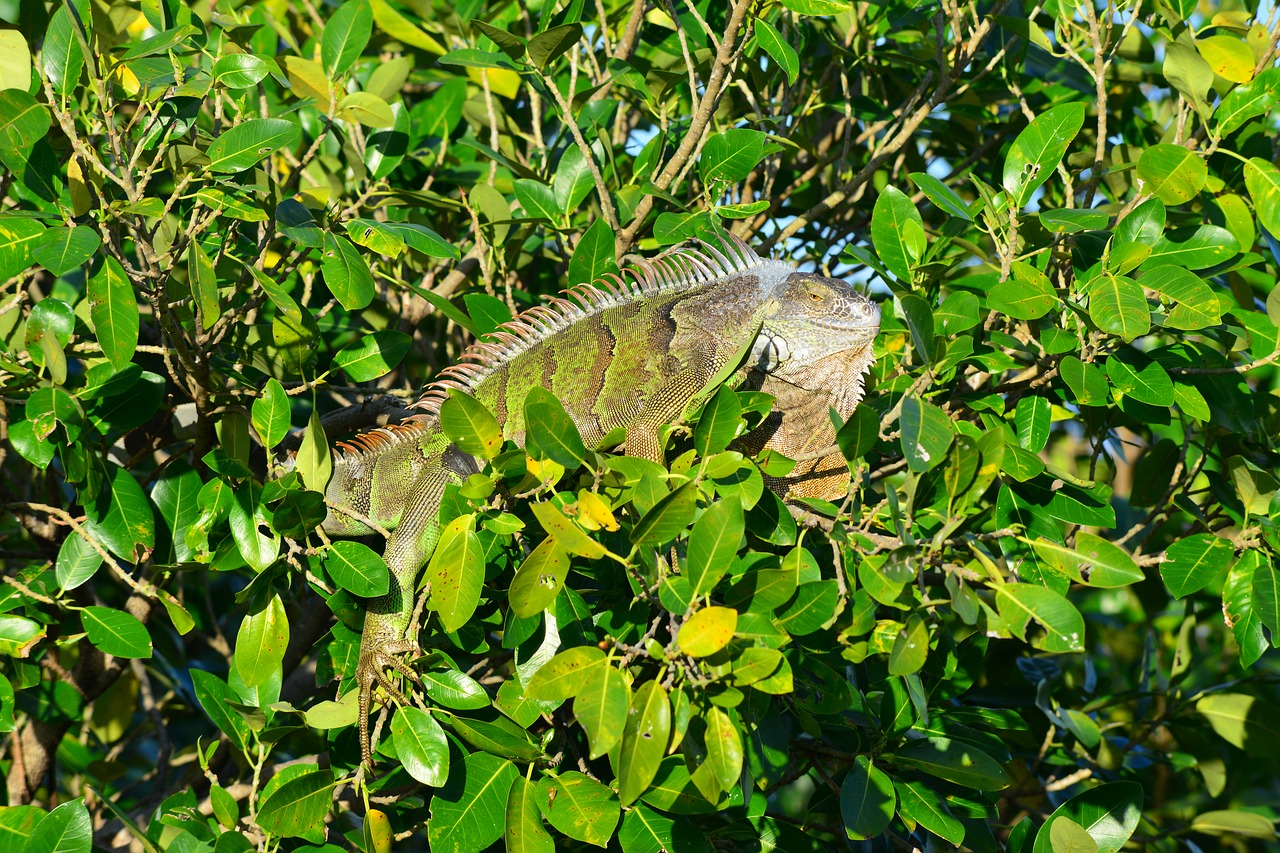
<point x="376" y="657"/>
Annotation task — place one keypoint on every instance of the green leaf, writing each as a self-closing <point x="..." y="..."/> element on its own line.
<point x="373" y="355"/>
<point x="240" y="70"/>
<point x="644" y="741"/>
<point x="551" y="431"/>
<point x="65" y="829"/>
<point x="366" y="109"/>
<point x="454" y="689"/>
<point x="61" y="56"/>
<point x="421" y="745"/>
<point x="954" y="761"/>
<point x="600" y="707"/>
<point x="387" y="148"/>
<point x="707" y="631"/>
<point x="910" y="647"/>
<point x="668" y="518"/>
<point x="125" y="523"/>
<point x="860" y="433"/>
<point x="270" y="414"/>
<point x="1191" y="563"/>
<point x="539" y="579"/>
<point x="78" y="561"/>
<point x="713" y="543"/>
<point x="593" y="256"/>
<point x="817" y="7"/>
<point x="1265" y="589"/>
<point x="1028" y="295"/>
<point x="893" y="220"/>
<point x="1187" y="71"/>
<point x="814" y="606"/>
<point x="719" y="424"/>
<point x="1242" y="721"/>
<point x="943" y="197"/>
<point x="647" y="831"/>
<point x="731" y="155"/>
<point x="23" y="120"/>
<point x="548" y="46"/>
<point x="572" y="181"/>
<point x="1117" y="306"/>
<point x="867" y="800"/>
<point x="18" y="635"/>
<point x="1257" y="97"/>
<point x="1087" y="381"/>
<point x="116" y="632"/>
<point x="1093" y="561"/>
<point x="1067" y="836"/>
<point x="358" y="569"/>
<point x="537" y="199"/>
<point x="1193" y="248"/>
<point x="1238" y="608"/>
<point x="213" y="694"/>
<point x="1136" y="376"/>
<point x="1234" y="822"/>
<point x="922" y="804"/>
<point x="1173" y="173"/>
<point x="469" y="424"/>
<point x="525" y="832"/>
<point x="1061" y="623"/>
<point x="563" y="676"/>
<point x="247" y="143"/>
<point x="1109" y="813"/>
<point x="204" y="284"/>
<point x="1262" y="179"/>
<point x="919" y="319"/>
<point x="724" y="748"/>
<point x="346" y="273"/>
<point x="1195" y="305"/>
<point x="314" y="462"/>
<point x="61" y="250"/>
<point x="299" y="805"/>
<point x="581" y="807"/>
<point x="926" y="434"/>
<point x="1038" y="150"/>
<point x="456" y="573"/>
<point x="1031" y="421"/>
<point x="772" y="42"/>
<point x="261" y="642"/>
<point x="345" y="36"/>
<point x="17" y="237"/>
<point x="468" y="814"/>
<point x="512" y="45"/>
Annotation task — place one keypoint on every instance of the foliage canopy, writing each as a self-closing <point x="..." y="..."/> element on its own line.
<point x="1040" y="620"/>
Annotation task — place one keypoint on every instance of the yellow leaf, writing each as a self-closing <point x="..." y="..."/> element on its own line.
<point x="1228" y="56"/>
<point x="503" y="82"/>
<point x="81" y="200"/>
<point x="402" y="29"/>
<point x="707" y="631"/>
<point x="595" y="511"/>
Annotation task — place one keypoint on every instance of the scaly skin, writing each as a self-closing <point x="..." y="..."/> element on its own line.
<point x="625" y="358"/>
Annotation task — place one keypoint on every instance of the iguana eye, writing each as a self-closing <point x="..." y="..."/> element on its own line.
<point x="814" y="296"/>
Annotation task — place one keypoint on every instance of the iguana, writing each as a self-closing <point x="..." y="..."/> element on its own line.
<point x="626" y="355"/>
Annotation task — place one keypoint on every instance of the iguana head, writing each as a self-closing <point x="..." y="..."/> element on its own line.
<point x="813" y="318"/>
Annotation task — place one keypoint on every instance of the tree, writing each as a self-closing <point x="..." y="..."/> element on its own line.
<point x="1040" y="620"/>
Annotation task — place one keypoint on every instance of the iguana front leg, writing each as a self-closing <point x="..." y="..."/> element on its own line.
<point x="390" y="629"/>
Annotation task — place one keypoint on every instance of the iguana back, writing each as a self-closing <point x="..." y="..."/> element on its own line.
<point x="626" y="356"/>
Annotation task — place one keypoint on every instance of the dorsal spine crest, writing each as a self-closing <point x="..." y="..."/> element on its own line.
<point x="677" y="270"/>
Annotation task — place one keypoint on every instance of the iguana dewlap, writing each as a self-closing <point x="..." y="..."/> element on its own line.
<point x="628" y="354"/>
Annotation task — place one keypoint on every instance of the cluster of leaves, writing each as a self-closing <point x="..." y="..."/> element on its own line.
<point x="1040" y="619"/>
